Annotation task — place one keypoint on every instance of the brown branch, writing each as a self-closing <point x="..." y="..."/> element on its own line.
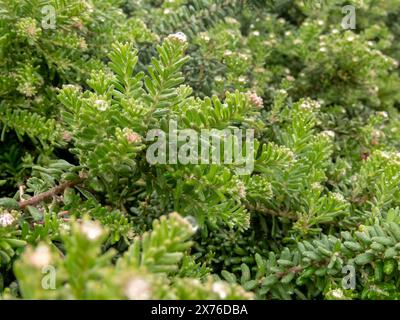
<point x="295" y="269"/>
<point x="270" y="212"/>
<point x="48" y="194"/>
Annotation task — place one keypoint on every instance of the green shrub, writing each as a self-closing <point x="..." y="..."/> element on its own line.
<point x="86" y="215"/>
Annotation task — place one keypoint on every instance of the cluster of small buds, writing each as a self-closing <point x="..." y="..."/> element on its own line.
<point x="102" y="105"/>
<point x="132" y="136"/>
<point x="242" y="79"/>
<point x="92" y="230"/>
<point x="282" y="92"/>
<point x="204" y="36"/>
<point x="241" y="189"/>
<point x="289" y="153"/>
<point x="27" y="89"/>
<point x="255" y="100"/>
<point x="40" y="257"/>
<point x="179" y="37"/>
<point x="6" y="219"/>
<point x="337" y="196"/>
<point x="317" y="186"/>
<point x="138" y="288"/>
<point x="74" y="87"/>
<point x="27" y="27"/>
<point x="310" y="105"/>
<point x="218" y="79"/>
<point x="260" y="185"/>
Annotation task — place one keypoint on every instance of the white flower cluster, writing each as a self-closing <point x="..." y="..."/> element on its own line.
<point x="204" y="36"/>
<point x="220" y="289"/>
<point x="92" y="230"/>
<point x="6" y="219"/>
<point x="310" y="105"/>
<point x="317" y="186"/>
<point x="338" y="197"/>
<point x="179" y="37"/>
<point x="218" y="79"/>
<point x="383" y="114"/>
<point x="138" y="288"/>
<point x="242" y="79"/>
<point x="337" y="293"/>
<point x="40" y="257"/>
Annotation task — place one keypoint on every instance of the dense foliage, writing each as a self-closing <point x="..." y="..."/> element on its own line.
<point x="85" y="215"/>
